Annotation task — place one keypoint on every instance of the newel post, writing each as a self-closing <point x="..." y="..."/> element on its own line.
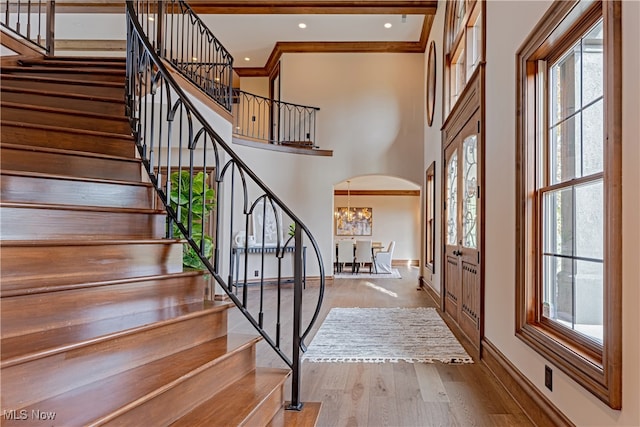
<point x="297" y="320"/>
<point x="160" y="28"/>
<point x="51" y="27"/>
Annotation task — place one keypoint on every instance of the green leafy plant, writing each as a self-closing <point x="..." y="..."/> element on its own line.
<point x="292" y="229"/>
<point x="202" y="203"/>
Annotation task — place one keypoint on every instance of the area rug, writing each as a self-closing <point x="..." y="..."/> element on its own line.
<point x="375" y="335"/>
<point x="395" y="274"/>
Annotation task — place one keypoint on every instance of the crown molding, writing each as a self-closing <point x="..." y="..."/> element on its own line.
<point x="281" y="48"/>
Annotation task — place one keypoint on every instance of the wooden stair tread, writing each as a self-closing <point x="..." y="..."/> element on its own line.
<point x="83" y="208"/>
<point x="71" y="70"/>
<point x="49" y="188"/>
<point x="86" y="132"/>
<point x="63" y="94"/>
<point x="30" y="174"/>
<point x="24" y="348"/>
<point x="65" y="138"/>
<point x="57" y="308"/>
<point x="75" y="242"/>
<point x="307" y="417"/>
<point x="115" y="85"/>
<point x="56" y="62"/>
<point x="84" y="285"/>
<point x="105" y="399"/>
<point x="85" y="59"/>
<point x="233" y="405"/>
<point x="68" y="152"/>
<point x="27" y="268"/>
<point x="75" y="113"/>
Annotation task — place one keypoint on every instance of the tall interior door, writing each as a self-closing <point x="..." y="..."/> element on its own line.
<point x="462" y="284"/>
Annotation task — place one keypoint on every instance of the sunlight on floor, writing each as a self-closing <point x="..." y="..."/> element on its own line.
<point x="381" y="289"/>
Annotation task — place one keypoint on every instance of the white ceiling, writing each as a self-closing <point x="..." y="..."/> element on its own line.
<point x="254" y="36"/>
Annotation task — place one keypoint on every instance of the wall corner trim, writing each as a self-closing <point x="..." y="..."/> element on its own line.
<point x="540" y="410"/>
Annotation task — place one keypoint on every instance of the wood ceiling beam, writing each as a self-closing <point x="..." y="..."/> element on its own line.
<point x="312" y="7"/>
<point x="359" y="7"/>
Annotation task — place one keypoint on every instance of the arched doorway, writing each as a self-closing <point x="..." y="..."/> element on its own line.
<point x="382" y="209"/>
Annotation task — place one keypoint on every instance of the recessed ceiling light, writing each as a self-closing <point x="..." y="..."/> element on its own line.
<point x="151" y="18"/>
<point x="246" y="58"/>
<point x="217" y="79"/>
<point x="194" y="58"/>
<point x="302" y="25"/>
<point x="388" y="25"/>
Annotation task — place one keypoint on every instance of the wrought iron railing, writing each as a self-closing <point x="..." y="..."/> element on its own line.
<point x="259" y="118"/>
<point x="175" y="141"/>
<point x="33" y="21"/>
<point x="179" y="36"/>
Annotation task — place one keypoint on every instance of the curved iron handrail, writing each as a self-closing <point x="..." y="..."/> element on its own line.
<point x="181" y="37"/>
<point x="170" y="133"/>
<point x="273" y="121"/>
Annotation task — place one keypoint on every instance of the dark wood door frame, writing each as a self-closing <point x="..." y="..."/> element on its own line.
<point x="467" y="118"/>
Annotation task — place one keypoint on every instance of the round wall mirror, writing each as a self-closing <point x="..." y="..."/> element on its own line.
<point x="431" y="82"/>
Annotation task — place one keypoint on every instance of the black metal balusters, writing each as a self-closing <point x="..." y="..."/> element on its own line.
<point x="16" y="12"/>
<point x="207" y="189"/>
<point x="283" y="123"/>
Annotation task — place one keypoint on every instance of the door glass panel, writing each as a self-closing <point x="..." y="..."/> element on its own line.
<point x="452" y="199"/>
<point x="470" y="187"/>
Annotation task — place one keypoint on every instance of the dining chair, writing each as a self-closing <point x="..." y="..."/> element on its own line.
<point x="345" y="255"/>
<point x="382" y="259"/>
<point x="363" y="254"/>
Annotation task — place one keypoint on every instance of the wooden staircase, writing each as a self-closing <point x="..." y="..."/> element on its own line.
<point x="100" y="324"/>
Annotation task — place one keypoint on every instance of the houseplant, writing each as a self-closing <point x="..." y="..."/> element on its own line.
<point x="201" y="204"/>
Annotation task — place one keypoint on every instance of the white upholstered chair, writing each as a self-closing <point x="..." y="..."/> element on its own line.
<point x="345" y="254"/>
<point x="363" y="254"/>
<point x="383" y="259"/>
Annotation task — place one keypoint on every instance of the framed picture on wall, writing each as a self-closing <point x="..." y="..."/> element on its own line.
<point x="354" y="221"/>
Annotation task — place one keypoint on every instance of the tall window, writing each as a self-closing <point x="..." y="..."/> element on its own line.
<point x="464" y="48"/>
<point x="569" y="174"/>
<point x="571" y="192"/>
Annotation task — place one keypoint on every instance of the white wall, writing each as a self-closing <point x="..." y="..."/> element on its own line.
<point x="371" y="113"/>
<point x="394" y="218"/>
<point x="5" y="51"/>
<point x="255" y="85"/>
<point x="433" y="146"/>
<point x="508" y="24"/>
<point x="371" y="108"/>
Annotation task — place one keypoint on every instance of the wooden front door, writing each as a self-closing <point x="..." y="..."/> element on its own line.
<point x="462" y="284"/>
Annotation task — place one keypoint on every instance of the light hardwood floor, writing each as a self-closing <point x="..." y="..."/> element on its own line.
<point x="389" y="394"/>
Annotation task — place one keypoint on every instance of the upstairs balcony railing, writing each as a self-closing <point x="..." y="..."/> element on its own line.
<point x="182" y="38"/>
<point x="257" y="250"/>
<point x="33" y="21"/>
<point x="275" y="122"/>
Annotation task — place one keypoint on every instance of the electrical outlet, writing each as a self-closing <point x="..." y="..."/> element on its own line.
<point x="256" y="273"/>
<point x="548" y="377"/>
